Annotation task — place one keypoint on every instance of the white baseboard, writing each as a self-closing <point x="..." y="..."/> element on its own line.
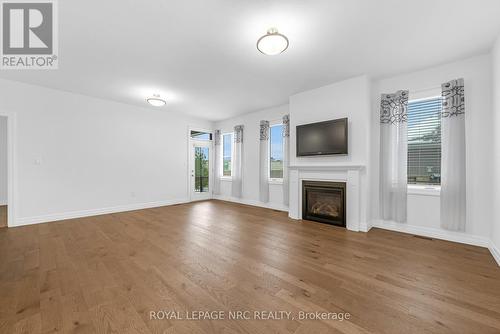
<point x="429" y="232"/>
<point x="273" y="206"/>
<point x="94" y="212"/>
<point x="495" y="251"/>
<point x="365" y="227"/>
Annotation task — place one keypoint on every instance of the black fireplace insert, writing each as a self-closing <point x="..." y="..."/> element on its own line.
<point x="324" y="202"/>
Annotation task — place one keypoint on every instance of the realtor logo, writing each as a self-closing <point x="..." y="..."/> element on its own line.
<point x="29" y="34"/>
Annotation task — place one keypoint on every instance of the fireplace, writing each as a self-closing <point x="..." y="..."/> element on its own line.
<point x="324" y="202"/>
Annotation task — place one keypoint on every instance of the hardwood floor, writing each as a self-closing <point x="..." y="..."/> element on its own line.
<point x="3" y="216"/>
<point x="106" y="274"/>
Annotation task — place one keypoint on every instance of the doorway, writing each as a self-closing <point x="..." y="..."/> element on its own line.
<point x="4" y="176"/>
<point x="200" y="168"/>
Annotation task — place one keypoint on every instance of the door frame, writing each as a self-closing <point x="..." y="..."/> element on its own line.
<point x="210" y="143"/>
<point x="11" y="167"/>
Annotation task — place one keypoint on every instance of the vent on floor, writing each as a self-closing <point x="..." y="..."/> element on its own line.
<point x="421" y="237"/>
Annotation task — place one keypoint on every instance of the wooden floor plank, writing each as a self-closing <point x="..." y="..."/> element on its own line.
<point x="3" y="216"/>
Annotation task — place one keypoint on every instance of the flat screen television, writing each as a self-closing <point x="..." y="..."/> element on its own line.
<point x="323" y="138"/>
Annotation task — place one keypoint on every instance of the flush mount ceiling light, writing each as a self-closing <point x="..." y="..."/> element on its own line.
<point x="156" y="101"/>
<point x="272" y="43"/>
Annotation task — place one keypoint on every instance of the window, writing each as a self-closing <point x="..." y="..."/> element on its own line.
<point x="227" y="151"/>
<point x="199" y="135"/>
<point x="424" y="141"/>
<point x="276" y="152"/>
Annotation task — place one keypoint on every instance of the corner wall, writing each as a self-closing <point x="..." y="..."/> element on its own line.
<point x="251" y="142"/>
<point x="80" y="156"/>
<point x="479" y="133"/>
<point x="495" y="227"/>
<point x="3" y="160"/>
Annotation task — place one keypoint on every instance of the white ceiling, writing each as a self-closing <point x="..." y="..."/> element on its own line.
<point x="201" y="54"/>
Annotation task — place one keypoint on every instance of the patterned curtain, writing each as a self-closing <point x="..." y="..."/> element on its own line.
<point x="217" y="162"/>
<point x="453" y="174"/>
<point x="286" y="158"/>
<point x="263" y="162"/>
<point x="393" y="156"/>
<point x="237" y="171"/>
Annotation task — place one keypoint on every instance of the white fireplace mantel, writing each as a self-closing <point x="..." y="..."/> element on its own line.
<point x="348" y="173"/>
<point x="338" y="166"/>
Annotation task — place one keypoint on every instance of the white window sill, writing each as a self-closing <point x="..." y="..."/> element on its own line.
<point x="275" y="181"/>
<point x="226" y="178"/>
<point x="430" y="190"/>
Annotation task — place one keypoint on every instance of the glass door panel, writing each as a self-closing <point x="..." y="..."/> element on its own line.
<point x="201" y="169"/>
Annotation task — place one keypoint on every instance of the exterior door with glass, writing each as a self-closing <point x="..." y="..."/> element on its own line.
<point x="201" y="170"/>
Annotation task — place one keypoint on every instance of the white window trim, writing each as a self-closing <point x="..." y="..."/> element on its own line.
<point x="270" y="179"/>
<point x="425" y="98"/>
<point x="221" y="171"/>
<point x="424" y="190"/>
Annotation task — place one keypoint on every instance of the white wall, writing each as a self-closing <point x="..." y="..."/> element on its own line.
<point x="3" y="160"/>
<point x="424" y="211"/>
<point x="495" y="228"/>
<point x="251" y="142"/>
<point x="349" y="98"/>
<point x="79" y="155"/>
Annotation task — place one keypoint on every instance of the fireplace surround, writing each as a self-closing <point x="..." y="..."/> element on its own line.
<point x="324" y="202"/>
<point x="356" y="192"/>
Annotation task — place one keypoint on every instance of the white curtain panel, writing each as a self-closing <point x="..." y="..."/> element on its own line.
<point x="286" y="158"/>
<point x="236" y="173"/>
<point x="453" y="206"/>
<point x="393" y="156"/>
<point x="217" y="161"/>
<point x="264" y="162"/>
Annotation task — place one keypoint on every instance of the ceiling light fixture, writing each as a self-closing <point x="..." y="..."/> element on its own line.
<point x="272" y="43"/>
<point x="156" y="101"/>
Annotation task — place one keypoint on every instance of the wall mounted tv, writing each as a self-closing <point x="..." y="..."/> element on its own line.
<point x="323" y="138"/>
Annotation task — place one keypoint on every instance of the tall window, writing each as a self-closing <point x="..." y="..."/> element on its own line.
<point x="276" y="152"/>
<point x="227" y="150"/>
<point x="424" y="141"/>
